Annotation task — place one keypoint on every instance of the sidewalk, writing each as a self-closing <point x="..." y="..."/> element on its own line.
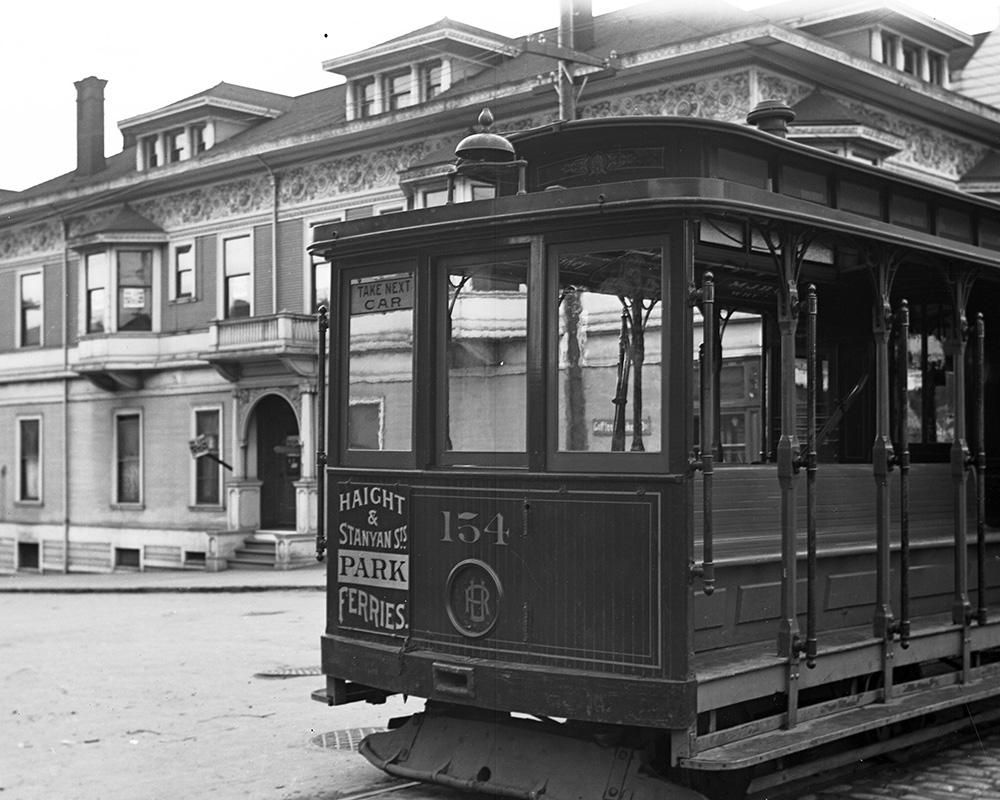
<point x="312" y="577"/>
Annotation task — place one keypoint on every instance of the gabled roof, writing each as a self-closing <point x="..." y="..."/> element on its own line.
<point x="126" y="225"/>
<point x="634" y="29"/>
<point x="821" y="109"/>
<point x="824" y="17"/>
<point x="223" y="97"/>
<point x="444" y="37"/>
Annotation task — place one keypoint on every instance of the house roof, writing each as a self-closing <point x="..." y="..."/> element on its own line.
<point x="639" y="29"/>
<point x="224" y="97"/>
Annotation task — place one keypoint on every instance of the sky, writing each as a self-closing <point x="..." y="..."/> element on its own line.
<point x="155" y="54"/>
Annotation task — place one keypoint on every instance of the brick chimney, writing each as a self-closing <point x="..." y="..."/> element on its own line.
<point x="90" y="125"/>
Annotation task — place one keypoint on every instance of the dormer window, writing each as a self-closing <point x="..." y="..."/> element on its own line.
<point x="176" y="145"/>
<point x="910" y="57"/>
<point x="363" y="92"/>
<point x="399" y="87"/>
<point x="431" y="79"/>
<point x="150" y="153"/>
<point x="198" y="144"/>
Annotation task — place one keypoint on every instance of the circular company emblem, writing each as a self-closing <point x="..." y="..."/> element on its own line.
<point x="474" y="594"/>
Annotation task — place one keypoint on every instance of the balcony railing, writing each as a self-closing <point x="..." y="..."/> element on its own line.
<point x="284" y="337"/>
<point x="295" y="331"/>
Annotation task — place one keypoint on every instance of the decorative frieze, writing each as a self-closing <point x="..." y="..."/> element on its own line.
<point x="31" y="240"/>
<point x="213" y="203"/>
<point x="925" y="148"/>
<point x="725" y="97"/>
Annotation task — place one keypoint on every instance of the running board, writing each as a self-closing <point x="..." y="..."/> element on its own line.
<point x="812" y="733"/>
<point x="513" y="758"/>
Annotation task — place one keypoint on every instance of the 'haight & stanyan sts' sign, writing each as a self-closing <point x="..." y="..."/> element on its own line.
<point x="373" y="558"/>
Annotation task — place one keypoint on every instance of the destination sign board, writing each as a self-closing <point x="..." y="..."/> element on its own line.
<point x="373" y="558"/>
<point x="385" y="293"/>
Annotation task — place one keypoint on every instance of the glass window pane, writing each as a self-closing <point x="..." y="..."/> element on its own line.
<point x="381" y="362"/>
<point x="135" y="279"/>
<point x="28" y="488"/>
<point x="238" y="289"/>
<point x="487" y="320"/>
<point x="239" y="283"/>
<point x="609" y="386"/>
<point x="207" y="474"/>
<point x="236" y="255"/>
<point x="321" y="285"/>
<point x="31" y="309"/>
<point x="97" y="281"/>
<point x="128" y="458"/>
<point x="184" y="266"/>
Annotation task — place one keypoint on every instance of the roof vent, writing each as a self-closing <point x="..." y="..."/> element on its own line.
<point x="771" y="116"/>
<point x="485" y="147"/>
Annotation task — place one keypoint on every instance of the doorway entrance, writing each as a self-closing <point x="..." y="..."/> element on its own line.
<point x="278" y="462"/>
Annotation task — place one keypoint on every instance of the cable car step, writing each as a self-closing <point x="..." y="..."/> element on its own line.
<point x="760" y="748"/>
<point x="513" y="758"/>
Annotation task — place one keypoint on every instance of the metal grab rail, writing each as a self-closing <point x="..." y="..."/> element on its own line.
<point x="705" y="460"/>
<point x="811" y="461"/>
<point x="903" y="460"/>
<point x="322" y="324"/>
<point x="980" y="367"/>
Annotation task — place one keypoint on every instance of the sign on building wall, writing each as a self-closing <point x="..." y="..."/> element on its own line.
<point x="373" y="558"/>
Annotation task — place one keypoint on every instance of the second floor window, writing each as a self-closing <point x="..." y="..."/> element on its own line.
<point x="30" y="301"/>
<point x="135" y="289"/>
<point x="96" y="310"/>
<point x="184" y="271"/>
<point x="236" y="257"/>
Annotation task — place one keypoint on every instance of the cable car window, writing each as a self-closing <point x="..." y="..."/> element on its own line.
<point x="485" y="341"/>
<point x="380" y="371"/>
<point x="930" y="413"/>
<point x="609" y="388"/>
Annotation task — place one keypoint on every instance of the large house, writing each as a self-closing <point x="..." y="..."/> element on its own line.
<point x="158" y="354"/>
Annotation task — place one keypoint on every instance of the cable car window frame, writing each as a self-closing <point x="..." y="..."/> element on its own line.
<point x="627" y="461"/>
<point x="345" y="273"/>
<point x="439" y="265"/>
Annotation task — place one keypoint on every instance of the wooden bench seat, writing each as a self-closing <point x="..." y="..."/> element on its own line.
<point x="747" y="507"/>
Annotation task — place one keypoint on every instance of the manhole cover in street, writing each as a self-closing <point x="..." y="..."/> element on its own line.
<point x="348" y="739"/>
<point x="289" y="672"/>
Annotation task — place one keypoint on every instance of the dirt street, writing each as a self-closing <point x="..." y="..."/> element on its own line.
<point x="134" y="696"/>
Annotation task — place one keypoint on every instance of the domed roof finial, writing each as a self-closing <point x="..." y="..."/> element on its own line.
<point x="485" y="146"/>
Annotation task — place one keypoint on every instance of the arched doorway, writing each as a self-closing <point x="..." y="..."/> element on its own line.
<point x="278" y="461"/>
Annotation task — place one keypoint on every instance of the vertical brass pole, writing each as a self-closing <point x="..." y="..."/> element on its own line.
<point x="811" y="466"/>
<point x="788" y="451"/>
<point x="708" y="428"/>
<point x="904" y="476"/>
<point x="789" y="642"/>
<point x="322" y="324"/>
<point x="882" y="454"/>
<point x="961" y="609"/>
<point x="981" y="469"/>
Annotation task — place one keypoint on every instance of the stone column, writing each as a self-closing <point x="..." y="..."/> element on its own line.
<point x="305" y="487"/>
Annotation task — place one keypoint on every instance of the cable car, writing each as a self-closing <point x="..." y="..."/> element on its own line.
<point x="663" y="470"/>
